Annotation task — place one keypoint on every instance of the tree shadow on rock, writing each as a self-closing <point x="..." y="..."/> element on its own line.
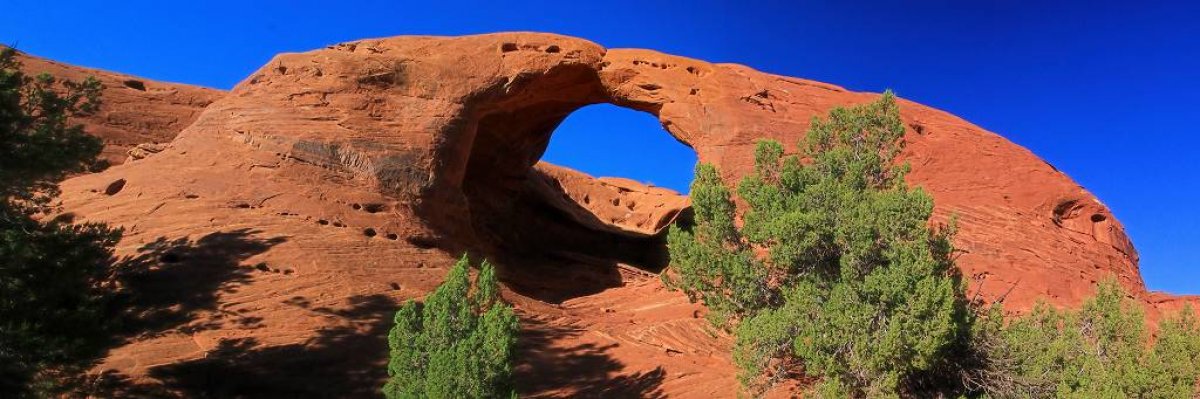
<point x="555" y="277"/>
<point x="170" y="281"/>
<point x="582" y="371"/>
<point x="163" y="288"/>
<point x="343" y="362"/>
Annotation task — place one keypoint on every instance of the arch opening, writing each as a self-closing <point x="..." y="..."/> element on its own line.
<point x="605" y="140"/>
<point x="564" y="233"/>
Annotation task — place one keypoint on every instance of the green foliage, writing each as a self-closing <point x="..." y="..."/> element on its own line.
<point x="853" y="284"/>
<point x="38" y="145"/>
<point x="52" y="301"/>
<point x="457" y="344"/>
<point x="1173" y="368"/>
<point x="711" y="263"/>
<point x="52" y="298"/>
<point x="1099" y="351"/>
<point x="835" y="272"/>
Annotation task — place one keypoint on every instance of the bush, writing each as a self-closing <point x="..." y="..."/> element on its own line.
<point x="38" y="144"/>
<point x="52" y="302"/>
<point x="854" y="285"/>
<point x="457" y="344"/>
<point x="52" y="297"/>
<point x="1099" y="351"/>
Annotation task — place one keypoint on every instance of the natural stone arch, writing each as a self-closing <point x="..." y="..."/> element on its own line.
<point x="526" y="83"/>
<point x="325" y="146"/>
<point x="399" y="120"/>
<point x="533" y="212"/>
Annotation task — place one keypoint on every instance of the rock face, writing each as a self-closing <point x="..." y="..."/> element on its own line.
<point x="135" y="110"/>
<point x="285" y="223"/>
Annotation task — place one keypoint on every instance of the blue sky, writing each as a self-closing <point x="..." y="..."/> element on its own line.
<point x="1108" y="93"/>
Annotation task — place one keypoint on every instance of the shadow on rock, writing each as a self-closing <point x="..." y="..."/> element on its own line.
<point x="581" y="371"/>
<point x="342" y="362"/>
<point x="170" y="281"/>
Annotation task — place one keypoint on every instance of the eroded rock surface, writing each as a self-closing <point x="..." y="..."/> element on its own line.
<point x="332" y="184"/>
<point x="135" y="110"/>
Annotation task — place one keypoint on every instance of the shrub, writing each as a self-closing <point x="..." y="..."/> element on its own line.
<point x="38" y="144"/>
<point x="457" y="344"/>
<point x="1099" y="351"/>
<point x="52" y="297"/>
<point x="1173" y="368"/>
<point x="852" y="282"/>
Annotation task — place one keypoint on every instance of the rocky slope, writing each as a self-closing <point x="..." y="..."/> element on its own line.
<point x="282" y="227"/>
<point x="135" y="110"/>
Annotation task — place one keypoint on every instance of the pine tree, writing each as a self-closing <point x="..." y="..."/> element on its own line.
<point x="458" y="343"/>
<point x="852" y="283"/>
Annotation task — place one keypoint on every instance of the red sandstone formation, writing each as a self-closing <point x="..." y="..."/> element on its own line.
<point x="608" y="203"/>
<point x="135" y="110"/>
<point x="282" y="226"/>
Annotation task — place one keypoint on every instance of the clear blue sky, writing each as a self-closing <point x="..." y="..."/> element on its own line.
<point x="1108" y="93"/>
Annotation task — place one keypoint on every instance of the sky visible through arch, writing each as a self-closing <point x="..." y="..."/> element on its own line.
<point x="1108" y="92"/>
<point x="632" y="144"/>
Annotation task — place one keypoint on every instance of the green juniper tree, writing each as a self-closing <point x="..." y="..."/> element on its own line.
<point x="1173" y="366"/>
<point x="38" y="144"/>
<point x="51" y="272"/>
<point x="835" y="267"/>
<point x="1098" y="351"/>
<point x="458" y="343"/>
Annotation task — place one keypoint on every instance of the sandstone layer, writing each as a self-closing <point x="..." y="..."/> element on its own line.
<point x="135" y="110"/>
<point x="282" y="227"/>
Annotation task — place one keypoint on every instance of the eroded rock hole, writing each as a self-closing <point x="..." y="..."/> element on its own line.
<point x="374" y="208"/>
<point x="605" y="140"/>
<point x="568" y="195"/>
<point x="114" y="187"/>
<point x="135" y="84"/>
<point x="1065" y="209"/>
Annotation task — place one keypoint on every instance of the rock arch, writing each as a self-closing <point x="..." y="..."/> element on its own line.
<point x="375" y="159"/>
<point x="540" y="214"/>
<point x="447" y="130"/>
